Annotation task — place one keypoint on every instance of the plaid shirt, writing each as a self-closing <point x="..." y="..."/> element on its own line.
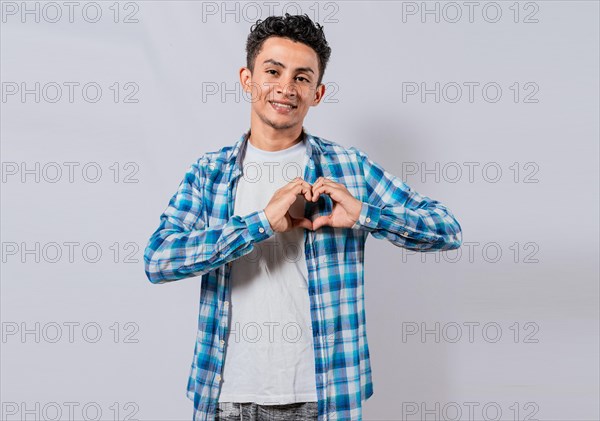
<point x="199" y="235"/>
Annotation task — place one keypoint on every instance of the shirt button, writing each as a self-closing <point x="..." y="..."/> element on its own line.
<point x="405" y="233"/>
<point x="222" y="342"/>
<point x="261" y="230"/>
<point x="218" y="378"/>
<point x="368" y="219"/>
<point x="226" y="303"/>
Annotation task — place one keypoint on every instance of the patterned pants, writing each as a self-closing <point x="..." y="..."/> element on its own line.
<point x="251" y="411"/>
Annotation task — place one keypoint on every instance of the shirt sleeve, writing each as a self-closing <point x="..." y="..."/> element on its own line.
<point x="183" y="246"/>
<point x="395" y="212"/>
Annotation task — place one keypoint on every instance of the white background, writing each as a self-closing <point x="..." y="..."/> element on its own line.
<point x="175" y="52"/>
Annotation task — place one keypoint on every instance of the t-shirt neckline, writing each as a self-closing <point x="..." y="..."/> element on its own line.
<point x="294" y="148"/>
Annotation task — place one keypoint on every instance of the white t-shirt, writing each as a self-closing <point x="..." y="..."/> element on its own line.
<point x="269" y="354"/>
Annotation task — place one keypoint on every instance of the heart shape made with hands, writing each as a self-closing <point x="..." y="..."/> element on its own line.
<point x="345" y="210"/>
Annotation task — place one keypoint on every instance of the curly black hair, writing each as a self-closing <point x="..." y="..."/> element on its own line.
<point x="299" y="28"/>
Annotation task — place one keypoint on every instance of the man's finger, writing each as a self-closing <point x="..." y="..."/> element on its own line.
<point x="308" y="190"/>
<point x="321" y="221"/>
<point x="306" y="187"/>
<point x="317" y="182"/>
<point x="302" y="222"/>
<point x="330" y="189"/>
<point x="303" y="189"/>
<point x="308" y="194"/>
<point x="293" y="183"/>
<point x="322" y="181"/>
<point x="316" y="193"/>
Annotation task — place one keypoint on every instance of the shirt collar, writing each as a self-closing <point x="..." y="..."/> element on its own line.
<point x="312" y="148"/>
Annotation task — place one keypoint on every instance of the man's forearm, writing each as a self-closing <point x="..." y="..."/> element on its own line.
<point x="429" y="227"/>
<point x="173" y="253"/>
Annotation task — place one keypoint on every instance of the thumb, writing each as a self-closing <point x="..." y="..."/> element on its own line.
<point x="302" y="222"/>
<point x="321" y="221"/>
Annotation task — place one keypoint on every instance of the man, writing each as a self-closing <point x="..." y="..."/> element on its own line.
<point x="276" y="226"/>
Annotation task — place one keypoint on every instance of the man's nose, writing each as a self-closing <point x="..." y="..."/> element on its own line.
<point x="289" y="88"/>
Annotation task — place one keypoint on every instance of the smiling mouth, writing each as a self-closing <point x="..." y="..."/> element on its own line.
<point x="278" y="106"/>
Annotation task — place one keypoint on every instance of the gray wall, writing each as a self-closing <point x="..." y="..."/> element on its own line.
<point x="528" y="268"/>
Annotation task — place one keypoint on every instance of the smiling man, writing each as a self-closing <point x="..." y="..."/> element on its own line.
<point x="276" y="226"/>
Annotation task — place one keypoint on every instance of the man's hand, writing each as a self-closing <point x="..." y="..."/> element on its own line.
<point x="346" y="208"/>
<point x="277" y="210"/>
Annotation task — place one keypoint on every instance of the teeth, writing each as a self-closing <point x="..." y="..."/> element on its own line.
<point x="282" y="105"/>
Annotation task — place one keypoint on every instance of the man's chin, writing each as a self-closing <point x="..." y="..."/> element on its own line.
<point x="283" y="125"/>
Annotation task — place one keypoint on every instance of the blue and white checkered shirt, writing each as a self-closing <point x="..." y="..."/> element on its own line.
<point x="199" y="235"/>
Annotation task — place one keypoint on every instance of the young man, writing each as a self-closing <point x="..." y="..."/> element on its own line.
<point x="276" y="225"/>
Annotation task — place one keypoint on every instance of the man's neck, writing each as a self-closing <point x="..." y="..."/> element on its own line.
<point x="275" y="140"/>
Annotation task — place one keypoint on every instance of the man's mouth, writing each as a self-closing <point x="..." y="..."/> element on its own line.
<point x="282" y="107"/>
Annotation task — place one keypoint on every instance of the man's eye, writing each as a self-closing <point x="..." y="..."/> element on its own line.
<point x="303" y="79"/>
<point x="274" y="71"/>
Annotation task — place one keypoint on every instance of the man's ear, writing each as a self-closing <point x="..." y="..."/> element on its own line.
<point x="319" y="93"/>
<point x="246" y="79"/>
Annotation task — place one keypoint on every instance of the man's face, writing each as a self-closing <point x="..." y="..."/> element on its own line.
<point x="285" y="72"/>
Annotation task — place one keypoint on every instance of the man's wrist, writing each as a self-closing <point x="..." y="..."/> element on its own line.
<point x="259" y="225"/>
<point x="368" y="219"/>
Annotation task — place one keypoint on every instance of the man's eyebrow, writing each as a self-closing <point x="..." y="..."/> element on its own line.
<point x="298" y="69"/>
